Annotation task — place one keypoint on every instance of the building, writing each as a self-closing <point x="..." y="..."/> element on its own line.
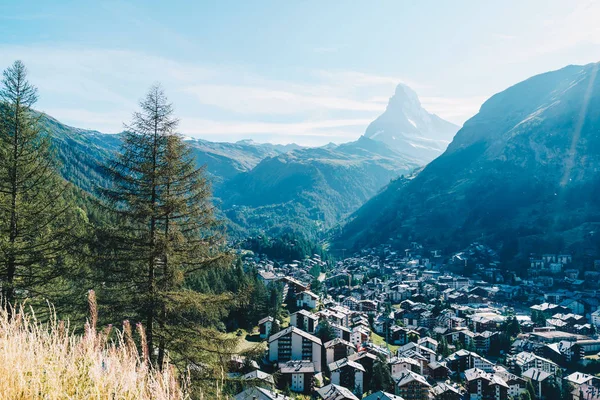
<point x="335" y="392"/>
<point x="298" y="375"/>
<point x="482" y="385"/>
<point x="307" y="299"/>
<point x="259" y="378"/>
<point x="338" y="349"/>
<point x="525" y="361"/>
<point x="412" y="386"/>
<point x="401" y="364"/>
<point x="295" y="344"/>
<point x="596" y="318"/>
<point x="258" y="393"/>
<point x="444" y="391"/>
<point x="346" y="372"/>
<point x="305" y="320"/>
<point x="381" y="395"/>
<point x="537" y="378"/>
<point x="265" y="327"/>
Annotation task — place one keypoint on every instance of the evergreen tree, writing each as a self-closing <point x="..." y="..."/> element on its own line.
<point x="382" y="376"/>
<point x="36" y="222"/>
<point x="167" y="235"/>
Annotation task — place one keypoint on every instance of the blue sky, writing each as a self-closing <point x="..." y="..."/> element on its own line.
<point x="309" y="72"/>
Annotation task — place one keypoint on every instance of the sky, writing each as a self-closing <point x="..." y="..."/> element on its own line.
<point x="309" y="72"/>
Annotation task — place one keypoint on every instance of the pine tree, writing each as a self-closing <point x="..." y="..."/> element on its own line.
<point x="382" y="376"/>
<point x="36" y="223"/>
<point x="167" y="235"/>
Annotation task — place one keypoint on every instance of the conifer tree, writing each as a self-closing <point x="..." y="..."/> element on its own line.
<point x="35" y="220"/>
<point x="166" y="235"/>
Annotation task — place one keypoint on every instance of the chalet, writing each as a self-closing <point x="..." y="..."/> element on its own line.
<point x="426" y="352"/>
<point x="526" y="361"/>
<point x="538" y="378"/>
<point x="265" y="326"/>
<point x="294" y="286"/>
<point x="444" y="391"/>
<point x="346" y="370"/>
<point x="338" y="349"/>
<point x="400" y="364"/>
<point x="412" y="386"/>
<point x="579" y="379"/>
<point x="428" y="342"/>
<point x="463" y="360"/>
<point x="381" y="395"/>
<point x="341" y="332"/>
<point x="482" y="385"/>
<point x="267" y="277"/>
<point x="305" y="320"/>
<point x="548" y="309"/>
<point x="332" y="316"/>
<point x="298" y="375"/>
<point x="359" y="335"/>
<point x="368" y="306"/>
<point x="483" y="340"/>
<point x="259" y="378"/>
<point x="295" y="344"/>
<point x="258" y="393"/>
<point x="335" y="392"/>
<point x="437" y="371"/>
<point x="351" y="303"/>
<point x="307" y="299"/>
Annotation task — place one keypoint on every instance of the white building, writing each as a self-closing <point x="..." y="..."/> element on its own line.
<point x="265" y="327"/>
<point x="596" y="318"/>
<point x="295" y="344"/>
<point x="307" y="299"/>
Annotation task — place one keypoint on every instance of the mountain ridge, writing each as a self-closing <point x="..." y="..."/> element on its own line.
<point x="503" y="175"/>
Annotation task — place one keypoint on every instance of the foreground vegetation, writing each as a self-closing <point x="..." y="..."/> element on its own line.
<point x="49" y="361"/>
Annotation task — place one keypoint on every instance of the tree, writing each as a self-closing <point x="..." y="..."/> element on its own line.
<point x="325" y="331"/>
<point x="382" y="376"/>
<point x="531" y="390"/>
<point x="36" y="222"/>
<point x="167" y="235"/>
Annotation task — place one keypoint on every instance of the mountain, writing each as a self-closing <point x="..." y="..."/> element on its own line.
<point x="226" y="160"/>
<point x="311" y="189"/>
<point x="408" y="128"/>
<point x="522" y="174"/>
<point x="82" y="152"/>
<point x="276" y="188"/>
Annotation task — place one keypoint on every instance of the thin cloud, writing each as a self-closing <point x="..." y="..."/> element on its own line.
<point x="258" y="100"/>
<point x="325" y="128"/>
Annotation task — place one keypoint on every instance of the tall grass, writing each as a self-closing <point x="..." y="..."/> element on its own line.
<point x="48" y="361"/>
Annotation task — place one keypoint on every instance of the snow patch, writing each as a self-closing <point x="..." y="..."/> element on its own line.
<point x="412" y="122"/>
<point x="376" y="134"/>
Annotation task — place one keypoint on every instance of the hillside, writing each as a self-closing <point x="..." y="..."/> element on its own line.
<point x="522" y="173"/>
<point x="311" y="189"/>
<point x="82" y="152"/>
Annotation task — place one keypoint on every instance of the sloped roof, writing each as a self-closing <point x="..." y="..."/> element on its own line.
<point x="293" y="329"/>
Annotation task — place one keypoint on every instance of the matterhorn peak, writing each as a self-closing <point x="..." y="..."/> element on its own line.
<point x="408" y="128"/>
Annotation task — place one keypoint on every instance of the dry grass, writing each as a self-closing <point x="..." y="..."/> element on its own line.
<point x="48" y="361"/>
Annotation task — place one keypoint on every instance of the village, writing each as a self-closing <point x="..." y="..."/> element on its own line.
<point x="414" y="325"/>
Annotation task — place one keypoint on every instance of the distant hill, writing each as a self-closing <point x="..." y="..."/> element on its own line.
<point x="408" y="128"/>
<point x="82" y="152"/>
<point x="522" y="174"/>
<point x="311" y="189"/>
